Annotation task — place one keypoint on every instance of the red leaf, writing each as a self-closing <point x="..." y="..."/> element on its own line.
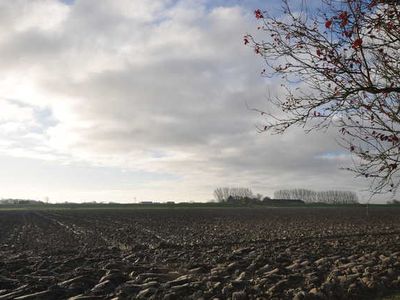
<point x="347" y="33"/>
<point x="343" y="15"/>
<point x="344" y="23"/>
<point x="372" y="4"/>
<point x="357" y="43"/>
<point x="328" y="23"/>
<point x="258" y="14"/>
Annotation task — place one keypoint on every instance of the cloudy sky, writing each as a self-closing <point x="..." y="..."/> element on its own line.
<point x="122" y="100"/>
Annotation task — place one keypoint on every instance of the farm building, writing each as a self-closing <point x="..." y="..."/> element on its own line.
<point x="286" y="202"/>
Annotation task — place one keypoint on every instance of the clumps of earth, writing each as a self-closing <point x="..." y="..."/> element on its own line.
<point x="276" y="253"/>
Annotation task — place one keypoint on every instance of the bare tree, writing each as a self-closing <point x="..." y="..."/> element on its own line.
<point x="337" y="197"/>
<point x="219" y="194"/>
<point x="310" y="196"/>
<point x="222" y="194"/>
<point x="342" y="68"/>
<point x="307" y="196"/>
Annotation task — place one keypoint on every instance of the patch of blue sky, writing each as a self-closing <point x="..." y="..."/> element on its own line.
<point x="158" y="154"/>
<point x="333" y="155"/>
<point x="252" y="4"/>
<point x="43" y="116"/>
<point x="273" y="7"/>
<point x="68" y="2"/>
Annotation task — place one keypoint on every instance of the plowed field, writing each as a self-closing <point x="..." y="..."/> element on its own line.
<point x="238" y="253"/>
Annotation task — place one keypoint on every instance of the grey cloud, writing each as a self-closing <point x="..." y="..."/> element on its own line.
<point x="139" y="86"/>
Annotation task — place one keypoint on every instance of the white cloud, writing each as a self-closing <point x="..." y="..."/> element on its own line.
<point x="152" y="86"/>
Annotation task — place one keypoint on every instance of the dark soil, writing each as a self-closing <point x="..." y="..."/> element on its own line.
<point x="265" y="253"/>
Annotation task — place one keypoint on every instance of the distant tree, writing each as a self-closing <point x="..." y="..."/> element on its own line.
<point x="342" y="69"/>
<point x="310" y="196"/>
<point x="218" y="195"/>
<point x="337" y="197"/>
<point x="307" y="196"/>
<point x="222" y="194"/>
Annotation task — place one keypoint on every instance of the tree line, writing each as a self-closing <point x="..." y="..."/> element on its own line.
<point x="310" y="196"/>
<point x="245" y="195"/>
<point x="222" y="194"/>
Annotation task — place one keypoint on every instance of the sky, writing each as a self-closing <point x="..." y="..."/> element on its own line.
<point x="134" y="100"/>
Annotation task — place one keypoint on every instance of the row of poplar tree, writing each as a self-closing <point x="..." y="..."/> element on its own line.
<point x="310" y="196"/>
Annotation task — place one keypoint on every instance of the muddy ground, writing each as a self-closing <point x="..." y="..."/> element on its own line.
<point x="238" y="253"/>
